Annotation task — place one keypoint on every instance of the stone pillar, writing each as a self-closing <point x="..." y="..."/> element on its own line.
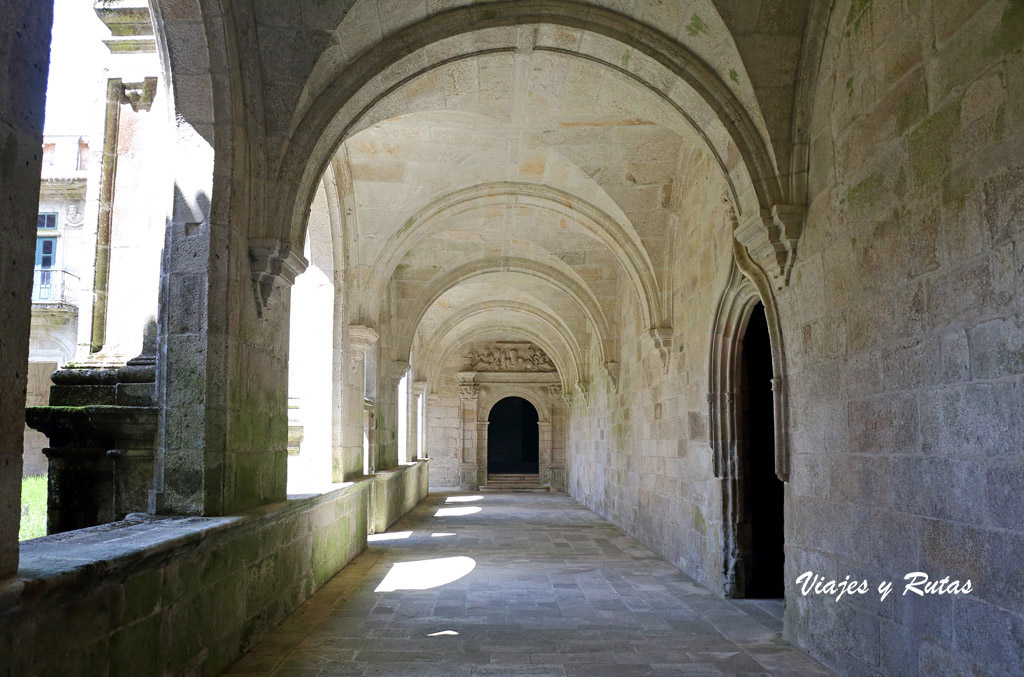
<point x="469" y="395"/>
<point x="388" y="427"/>
<point x="481" y="452"/>
<point x="418" y="424"/>
<point x="556" y="468"/>
<point x="25" y="52"/>
<point x="361" y="343"/>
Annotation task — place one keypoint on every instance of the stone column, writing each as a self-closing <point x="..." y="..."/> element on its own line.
<point x="25" y="53"/>
<point x="361" y="343"/>
<point x="418" y="427"/>
<point x="469" y="395"/>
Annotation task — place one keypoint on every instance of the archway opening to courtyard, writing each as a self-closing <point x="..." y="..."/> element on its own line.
<point x="513" y="438"/>
<point x="762" y="535"/>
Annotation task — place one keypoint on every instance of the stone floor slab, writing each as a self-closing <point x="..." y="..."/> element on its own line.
<point x="531" y="584"/>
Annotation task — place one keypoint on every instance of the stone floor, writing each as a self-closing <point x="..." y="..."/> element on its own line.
<point x="520" y="584"/>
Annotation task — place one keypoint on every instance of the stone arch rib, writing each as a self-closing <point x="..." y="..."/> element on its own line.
<point x="620" y="238"/>
<point x="574" y="289"/>
<point x="771" y="232"/>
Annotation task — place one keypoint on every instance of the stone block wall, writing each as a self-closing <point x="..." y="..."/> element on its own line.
<point x="902" y="328"/>
<point x="904" y="338"/>
<point x="639" y="455"/>
<point x="173" y="595"/>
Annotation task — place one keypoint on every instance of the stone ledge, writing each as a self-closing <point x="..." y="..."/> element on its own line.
<point x="137" y="542"/>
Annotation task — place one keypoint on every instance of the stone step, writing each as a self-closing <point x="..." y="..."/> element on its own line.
<point x="513" y="482"/>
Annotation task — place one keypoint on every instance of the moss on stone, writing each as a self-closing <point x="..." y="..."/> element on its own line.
<point x="696" y="26"/>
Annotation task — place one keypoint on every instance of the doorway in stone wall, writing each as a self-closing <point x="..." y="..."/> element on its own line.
<point x="761" y="534"/>
<point x="513" y="438"/>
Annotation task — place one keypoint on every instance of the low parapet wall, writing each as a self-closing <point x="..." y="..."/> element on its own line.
<point x="396" y="492"/>
<point x="179" y="595"/>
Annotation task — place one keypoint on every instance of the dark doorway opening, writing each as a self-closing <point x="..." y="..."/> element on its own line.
<point x="512" y="438"/>
<point x="762" y="497"/>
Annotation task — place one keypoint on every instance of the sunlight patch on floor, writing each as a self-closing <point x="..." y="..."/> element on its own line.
<point x="457" y="512"/>
<point x="393" y="536"/>
<point x="463" y="499"/>
<point x="426" y="574"/>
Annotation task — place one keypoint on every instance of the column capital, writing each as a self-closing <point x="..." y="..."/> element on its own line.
<point x="419" y="388"/>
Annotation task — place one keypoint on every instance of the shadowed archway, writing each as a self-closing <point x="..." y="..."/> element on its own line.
<point x="513" y="439"/>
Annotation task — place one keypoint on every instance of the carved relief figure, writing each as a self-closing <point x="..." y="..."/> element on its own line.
<point x="509" y="359"/>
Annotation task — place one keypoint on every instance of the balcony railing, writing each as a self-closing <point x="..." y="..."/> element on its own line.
<point x="54" y="287"/>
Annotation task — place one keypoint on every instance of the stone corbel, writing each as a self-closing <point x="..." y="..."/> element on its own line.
<point x="612" y="370"/>
<point x="583" y="389"/>
<point x="139" y="95"/>
<point x="273" y="267"/>
<point x="399" y="369"/>
<point x="361" y="337"/>
<point x="770" y="237"/>
<point x="661" y="338"/>
<point x="419" y="388"/>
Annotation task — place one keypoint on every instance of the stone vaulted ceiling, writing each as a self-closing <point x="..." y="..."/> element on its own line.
<point x="516" y="176"/>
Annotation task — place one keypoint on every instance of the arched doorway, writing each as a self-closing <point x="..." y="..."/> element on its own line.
<point x="761" y="542"/>
<point x="513" y="439"/>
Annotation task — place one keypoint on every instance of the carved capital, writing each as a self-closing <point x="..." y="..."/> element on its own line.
<point x="555" y="391"/>
<point x="469" y="391"/>
<point x="273" y="267"/>
<point x="770" y="237"/>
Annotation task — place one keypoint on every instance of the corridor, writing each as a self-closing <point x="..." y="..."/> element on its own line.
<point x="519" y="584"/>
